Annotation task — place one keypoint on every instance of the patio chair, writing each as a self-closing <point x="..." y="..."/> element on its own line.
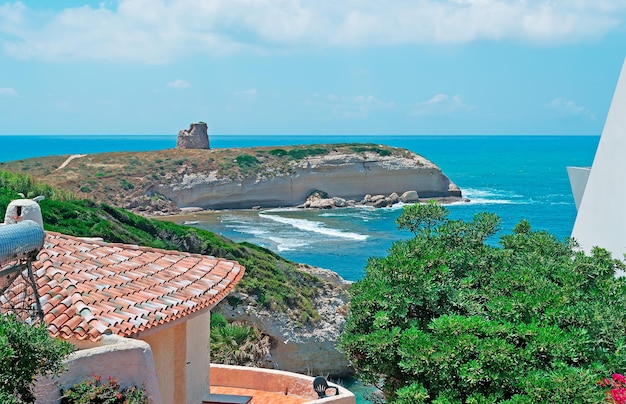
<point x="320" y="385"/>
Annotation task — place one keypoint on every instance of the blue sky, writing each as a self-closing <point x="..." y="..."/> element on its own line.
<point x="310" y="67"/>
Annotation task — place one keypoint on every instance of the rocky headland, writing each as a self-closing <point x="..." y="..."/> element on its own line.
<point x="311" y="176"/>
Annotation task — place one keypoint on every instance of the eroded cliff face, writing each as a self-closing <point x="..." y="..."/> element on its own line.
<point x="308" y="349"/>
<point x="161" y="182"/>
<point x="348" y="176"/>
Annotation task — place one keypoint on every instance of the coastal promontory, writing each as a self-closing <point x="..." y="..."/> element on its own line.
<point x="164" y="181"/>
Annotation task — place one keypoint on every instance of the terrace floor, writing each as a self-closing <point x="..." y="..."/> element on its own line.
<point x="270" y="386"/>
<point x="260" y="397"/>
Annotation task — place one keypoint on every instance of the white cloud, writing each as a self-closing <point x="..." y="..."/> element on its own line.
<point x="569" y="107"/>
<point x="8" y="91"/>
<point x="359" y="106"/>
<point x="441" y="104"/>
<point x="159" y="31"/>
<point x="178" y="83"/>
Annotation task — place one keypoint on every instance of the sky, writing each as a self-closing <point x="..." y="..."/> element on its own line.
<point x="273" y="67"/>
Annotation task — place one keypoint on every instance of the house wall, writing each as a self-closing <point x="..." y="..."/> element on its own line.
<point x="172" y="363"/>
<point x="127" y="360"/>
<point x="198" y="352"/>
<point x="578" y="177"/>
<point x="169" y="347"/>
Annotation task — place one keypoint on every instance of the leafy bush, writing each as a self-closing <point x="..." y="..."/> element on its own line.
<point x="371" y="148"/>
<point x="26" y="351"/>
<point x="245" y="160"/>
<point x="30" y="187"/>
<point x="237" y="343"/>
<point x="300" y="153"/>
<point x="126" y="185"/>
<point x="94" y="391"/>
<point x="278" y="152"/>
<point x="451" y="317"/>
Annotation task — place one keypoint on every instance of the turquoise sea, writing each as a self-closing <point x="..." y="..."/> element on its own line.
<point x="515" y="177"/>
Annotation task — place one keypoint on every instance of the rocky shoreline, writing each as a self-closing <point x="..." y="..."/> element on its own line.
<point x="310" y="348"/>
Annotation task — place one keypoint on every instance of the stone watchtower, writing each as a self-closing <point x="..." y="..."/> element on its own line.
<point x="196" y="137"/>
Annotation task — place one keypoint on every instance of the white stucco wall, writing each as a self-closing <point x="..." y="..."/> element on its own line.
<point x="578" y="177"/>
<point x="601" y="219"/>
<point x="127" y="360"/>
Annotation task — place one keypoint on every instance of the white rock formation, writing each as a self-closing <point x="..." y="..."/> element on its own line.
<point x="342" y="175"/>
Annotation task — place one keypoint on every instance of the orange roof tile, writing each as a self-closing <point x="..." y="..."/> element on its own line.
<point x="89" y="288"/>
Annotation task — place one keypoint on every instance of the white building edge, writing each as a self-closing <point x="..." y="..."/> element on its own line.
<point x="599" y="192"/>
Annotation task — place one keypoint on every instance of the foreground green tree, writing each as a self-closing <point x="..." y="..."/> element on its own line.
<point x="450" y="317"/>
<point x="26" y="351"/>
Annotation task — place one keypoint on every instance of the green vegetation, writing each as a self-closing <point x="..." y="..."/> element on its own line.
<point x="451" y="317"/>
<point x="246" y="160"/>
<point x="126" y="185"/>
<point x="26" y="351"/>
<point x="30" y="187"/>
<point x="301" y="152"/>
<point x="95" y="391"/>
<point x="274" y="280"/>
<point x="236" y="343"/>
<point x="278" y="152"/>
<point x="371" y="148"/>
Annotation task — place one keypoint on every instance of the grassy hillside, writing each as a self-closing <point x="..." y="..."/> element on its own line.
<point x="129" y="179"/>
<point x="275" y="281"/>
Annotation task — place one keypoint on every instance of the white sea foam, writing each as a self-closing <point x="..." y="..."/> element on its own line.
<point x="490" y="197"/>
<point x="315" y="227"/>
<point x="287" y="244"/>
<point x="252" y="230"/>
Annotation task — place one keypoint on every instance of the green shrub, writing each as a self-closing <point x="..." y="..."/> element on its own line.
<point x="372" y="149"/>
<point x="245" y="160"/>
<point x="95" y="391"/>
<point x="26" y="351"/>
<point x="451" y="317"/>
<point x="300" y="153"/>
<point x="126" y="185"/>
<point x="278" y="152"/>
<point x="237" y="343"/>
<point x="30" y="187"/>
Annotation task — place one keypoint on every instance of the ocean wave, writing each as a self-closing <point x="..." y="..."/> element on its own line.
<point x="489" y="196"/>
<point x="287" y="244"/>
<point x="252" y="230"/>
<point x="315" y="227"/>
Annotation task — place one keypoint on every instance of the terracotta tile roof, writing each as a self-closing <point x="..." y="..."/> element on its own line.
<point x="89" y="288"/>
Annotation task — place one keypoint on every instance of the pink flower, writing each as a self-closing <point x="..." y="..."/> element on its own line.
<point x="619" y="378"/>
<point x="618" y="395"/>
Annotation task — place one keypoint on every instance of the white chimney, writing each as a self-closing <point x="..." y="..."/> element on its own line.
<point x="23" y="209"/>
